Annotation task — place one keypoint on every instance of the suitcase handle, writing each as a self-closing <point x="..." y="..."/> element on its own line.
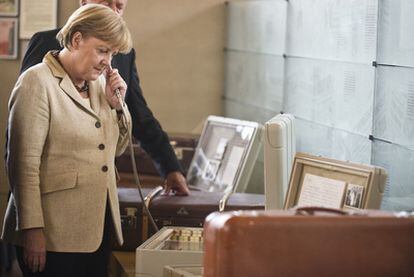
<point x="152" y="194"/>
<point x="147" y="201"/>
<point x="311" y="210"/>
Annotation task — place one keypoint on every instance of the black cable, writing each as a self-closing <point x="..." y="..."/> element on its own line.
<point x="138" y="184"/>
<point x="134" y="164"/>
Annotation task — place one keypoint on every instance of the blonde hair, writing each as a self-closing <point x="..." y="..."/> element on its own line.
<point x="99" y="21"/>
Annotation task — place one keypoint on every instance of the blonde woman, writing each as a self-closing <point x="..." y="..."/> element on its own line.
<point x="146" y="128"/>
<point x="65" y="129"/>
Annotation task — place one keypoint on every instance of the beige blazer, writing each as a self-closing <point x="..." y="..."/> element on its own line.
<point x="61" y="160"/>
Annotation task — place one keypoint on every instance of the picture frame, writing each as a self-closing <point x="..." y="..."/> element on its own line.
<point x="365" y="184"/>
<point x="9" y="7"/>
<point x="354" y="196"/>
<point x="36" y="16"/>
<point x="8" y="38"/>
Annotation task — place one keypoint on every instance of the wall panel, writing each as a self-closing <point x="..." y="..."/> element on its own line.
<point x="344" y="30"/>
<point x="394" y="105"/>
<point x="257" y="26"/>
<point x="395" y="32"/>
<point x="399" y="162"/>
<point x="331" y="93"/>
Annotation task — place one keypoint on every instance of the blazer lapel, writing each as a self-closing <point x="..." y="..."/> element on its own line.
<point x="68" y="87"/>
<point x="94" y="96"/>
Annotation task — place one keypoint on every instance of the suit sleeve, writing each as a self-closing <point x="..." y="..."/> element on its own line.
<point x="28" y="127"/>
<point x="124" y="124"/>
<point x="146" y="128"/>
<point x="35" y="52"/>
<point x="38" y="46"/>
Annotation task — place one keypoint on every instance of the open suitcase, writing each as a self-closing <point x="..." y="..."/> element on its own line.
<point x="309" y="242"/>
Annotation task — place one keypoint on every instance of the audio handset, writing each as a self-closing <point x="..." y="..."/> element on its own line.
<point x="119" y="96"/>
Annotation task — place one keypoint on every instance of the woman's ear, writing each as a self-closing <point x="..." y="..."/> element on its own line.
<point x="76" y="40"/>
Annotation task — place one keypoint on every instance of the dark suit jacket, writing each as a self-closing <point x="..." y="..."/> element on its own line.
<point x="146" y="128"/>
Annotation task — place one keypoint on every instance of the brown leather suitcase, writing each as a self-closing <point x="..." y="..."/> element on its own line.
<point x="189" y="211"/>
<point x="308" y="243"/>
<point x="183" y="144"/>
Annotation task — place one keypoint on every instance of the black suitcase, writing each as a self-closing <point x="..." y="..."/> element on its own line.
<point x="192" y="210"/>
<point x="169" y="210"/>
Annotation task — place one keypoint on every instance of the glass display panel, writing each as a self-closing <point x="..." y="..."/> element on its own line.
<point x="258" y="26"/>
<point x="248" y="112"/>
<point x="333" y="143"/>
<point x="395" y="32"/>
<point x="399" y="163"/>
<point x="343" y="30"/>
<point x="394" y="105"/>
<point x="255" y="79"/>
<point x="336" y="94"/>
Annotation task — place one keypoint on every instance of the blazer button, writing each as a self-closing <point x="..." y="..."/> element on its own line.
<point x="98" y="124"/>
<point x="101" y="146"/>
<point x="104" y="168"/>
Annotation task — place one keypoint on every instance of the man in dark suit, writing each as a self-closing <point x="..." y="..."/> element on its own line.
<point x="146" y="128"/>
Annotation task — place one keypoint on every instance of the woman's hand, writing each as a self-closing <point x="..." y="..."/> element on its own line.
<point x="114" y="81"/>
<point x="34" y="249"/>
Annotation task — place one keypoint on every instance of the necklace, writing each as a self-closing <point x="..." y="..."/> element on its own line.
<point x="84" y="87"/>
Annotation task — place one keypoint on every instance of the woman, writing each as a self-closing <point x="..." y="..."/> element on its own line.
<point x="65" y="129"/>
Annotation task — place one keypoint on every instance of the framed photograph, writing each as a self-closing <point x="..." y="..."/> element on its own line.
<point x="8" y="38"/>
<point x="210" y="171"/>
<point x="36" y="16"/>
<point x="353" y="196"/>
<point x="9" y="7"/>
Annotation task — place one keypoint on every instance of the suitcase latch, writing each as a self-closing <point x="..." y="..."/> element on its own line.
<point x="129" y="220"/>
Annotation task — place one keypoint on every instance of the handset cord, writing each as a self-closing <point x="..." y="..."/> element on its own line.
<point x="134" y="164"/>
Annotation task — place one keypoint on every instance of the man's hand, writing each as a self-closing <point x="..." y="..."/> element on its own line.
<point x="176" y="183"/>
<point x="34" y="249"/>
